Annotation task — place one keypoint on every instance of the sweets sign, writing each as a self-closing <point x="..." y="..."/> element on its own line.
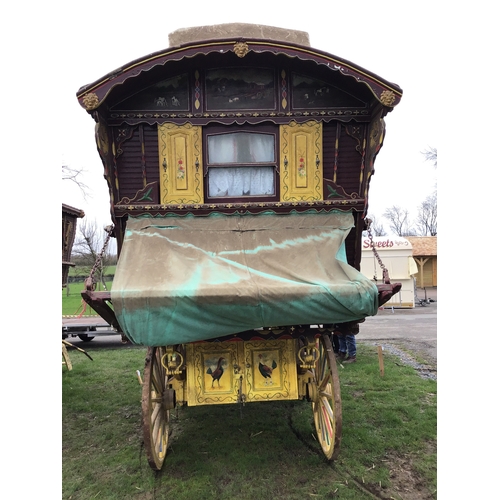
<point x="386" y="243"/>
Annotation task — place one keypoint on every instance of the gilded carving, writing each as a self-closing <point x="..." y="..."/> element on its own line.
<point x="387" y="98"/>
<point x="102" y="139"/>
<point x="376" y="134"/>
<point x="90" y="101"/>
<point x="241" y="49"/>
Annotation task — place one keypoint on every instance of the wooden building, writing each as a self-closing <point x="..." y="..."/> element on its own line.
<point x="69" y="222"/>
<point x="425" y="255"/>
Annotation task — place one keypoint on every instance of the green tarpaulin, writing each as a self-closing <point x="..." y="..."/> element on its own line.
<point x="183" y="279"/>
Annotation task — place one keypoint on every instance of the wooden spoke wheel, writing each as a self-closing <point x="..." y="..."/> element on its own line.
<point x="155" y="412"/>
<point x="326" y="402"/>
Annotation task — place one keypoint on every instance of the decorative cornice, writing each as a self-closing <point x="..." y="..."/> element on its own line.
<point x="240" y="208"/>
<point x="248" y="114"/>
<point x="376" y="84"/>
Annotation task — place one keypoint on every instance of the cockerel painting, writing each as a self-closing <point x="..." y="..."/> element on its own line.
<point x="266" y="371"/>
<point x="217" y="373"/>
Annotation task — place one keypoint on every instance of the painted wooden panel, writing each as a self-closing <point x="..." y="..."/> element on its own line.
<point x="218" y="372"/>
<point x="213" y="372"/>
<point x="270" y="370"/>
<point x="180" y="162"/>
<point x="301" y="161"/>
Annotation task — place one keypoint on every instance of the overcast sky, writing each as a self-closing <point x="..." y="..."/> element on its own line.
<point x="378" y="38"/>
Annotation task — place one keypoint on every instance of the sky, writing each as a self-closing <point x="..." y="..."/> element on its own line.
<point x="391" y="46"/>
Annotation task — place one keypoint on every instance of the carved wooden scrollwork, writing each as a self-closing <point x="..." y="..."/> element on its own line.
<point x="356" y="132"/>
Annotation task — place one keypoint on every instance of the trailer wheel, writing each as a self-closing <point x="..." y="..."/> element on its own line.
<point x="326" y="402"/>
<point x="84" y="337"/>
<point x="155" y="415"/>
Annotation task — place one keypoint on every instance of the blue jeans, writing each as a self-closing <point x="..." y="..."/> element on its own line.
<point x="347" y="344"/>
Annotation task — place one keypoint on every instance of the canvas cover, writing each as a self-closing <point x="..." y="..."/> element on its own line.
<point x="184" y="279"/>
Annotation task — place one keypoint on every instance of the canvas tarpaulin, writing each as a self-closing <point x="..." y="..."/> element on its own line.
<point x="184" y="279"/>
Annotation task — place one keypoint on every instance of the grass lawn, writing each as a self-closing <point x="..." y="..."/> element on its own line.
<point x="264" y="450"/>
<point x="72" y="302"/>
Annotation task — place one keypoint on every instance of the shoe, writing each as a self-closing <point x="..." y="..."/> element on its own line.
<point x="340" y="356"/>
<point x="350" y="359"/>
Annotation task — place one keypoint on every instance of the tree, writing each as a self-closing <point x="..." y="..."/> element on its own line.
<point x="427" y="216"/>
<point x="431" y="155"/>
<point x="74" y="175"/>
<point x="89" y="251"/>
<point x="399" y="222"/>
<point x="376" y="227"/>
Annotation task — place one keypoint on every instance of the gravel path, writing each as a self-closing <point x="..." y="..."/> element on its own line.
<point x="408" y="351"/>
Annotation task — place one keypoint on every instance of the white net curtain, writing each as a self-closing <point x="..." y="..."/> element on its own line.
<point x="252" y="152"/>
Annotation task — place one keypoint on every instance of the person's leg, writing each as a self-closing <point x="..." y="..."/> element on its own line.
<point x="335" y="343"/>
<point x="350" y="341"/>
<point x="342" y="346"/>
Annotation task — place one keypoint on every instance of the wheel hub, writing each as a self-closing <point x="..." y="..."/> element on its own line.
<point x="312" y="390"/>
<point x="168" y="399"/>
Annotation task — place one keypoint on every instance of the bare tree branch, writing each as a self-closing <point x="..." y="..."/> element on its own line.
<point x="74" y="175"/>
<point x="427" y="216"/>
<point x="399" y="222"/>
<point x="431" y="155"/>
<point x="377" y="227"/>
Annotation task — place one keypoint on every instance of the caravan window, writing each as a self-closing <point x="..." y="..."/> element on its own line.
<point x="241" y="164"/>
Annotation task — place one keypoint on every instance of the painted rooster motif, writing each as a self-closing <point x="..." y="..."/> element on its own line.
<point x="217" y="373"/>
<point x="267" y="371"/>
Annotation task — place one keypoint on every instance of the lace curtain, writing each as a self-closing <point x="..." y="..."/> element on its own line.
<point x="245" y="180"/>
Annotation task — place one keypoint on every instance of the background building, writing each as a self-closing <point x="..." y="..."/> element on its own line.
<point x="69" y="222"/>
<point x="425" y="255"/>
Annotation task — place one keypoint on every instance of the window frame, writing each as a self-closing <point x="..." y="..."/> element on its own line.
<point x="214" y="130"/>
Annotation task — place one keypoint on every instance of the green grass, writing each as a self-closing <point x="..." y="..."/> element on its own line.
<point x="83" y="271"/>
<point x="72" y="302"/>
<point x="264" y="450"/>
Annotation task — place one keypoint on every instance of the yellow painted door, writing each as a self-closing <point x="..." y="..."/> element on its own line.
<point x="301" y="161"/>
<point x="181" y="165"/>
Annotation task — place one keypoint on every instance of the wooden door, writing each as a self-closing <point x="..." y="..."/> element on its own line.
<point x="301" y="161"/>
<point x="181" y="163"/>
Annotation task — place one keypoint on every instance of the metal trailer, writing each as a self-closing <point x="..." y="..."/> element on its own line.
<point x="86" y="328"/>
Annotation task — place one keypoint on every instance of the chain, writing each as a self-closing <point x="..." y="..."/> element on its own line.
<point x="385" y="272"/>
<point x="90" y="282"/>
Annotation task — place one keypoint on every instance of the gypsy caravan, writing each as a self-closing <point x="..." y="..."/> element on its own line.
<point x="238" y="162"/>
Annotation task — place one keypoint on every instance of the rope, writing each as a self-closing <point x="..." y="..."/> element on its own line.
<point x="83" y="310"/>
